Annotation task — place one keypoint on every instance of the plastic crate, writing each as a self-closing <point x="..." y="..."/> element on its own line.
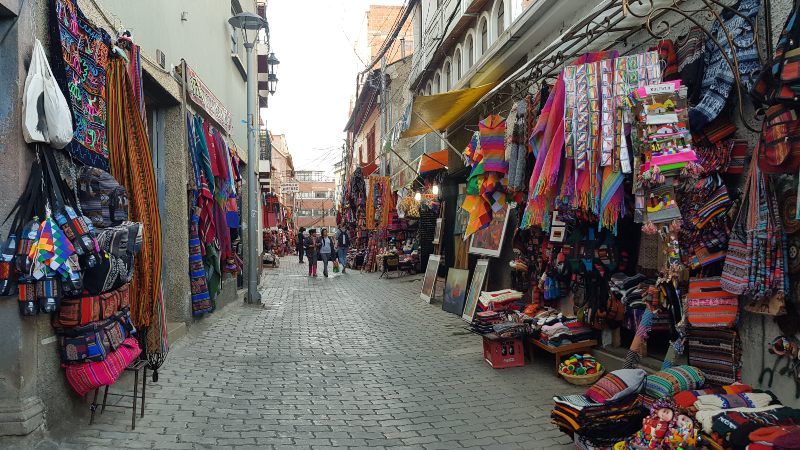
<point x="503" y="353"/>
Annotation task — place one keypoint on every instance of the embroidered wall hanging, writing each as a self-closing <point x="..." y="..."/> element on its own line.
<point x="80" y="63"/>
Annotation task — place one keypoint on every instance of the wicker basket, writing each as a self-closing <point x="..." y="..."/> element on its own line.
<point x="582" y="380"/>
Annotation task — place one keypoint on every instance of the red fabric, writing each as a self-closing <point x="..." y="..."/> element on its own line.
<point x="213" y="151"/>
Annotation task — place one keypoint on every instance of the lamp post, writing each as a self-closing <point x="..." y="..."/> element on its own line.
<point x="249" y="22"/>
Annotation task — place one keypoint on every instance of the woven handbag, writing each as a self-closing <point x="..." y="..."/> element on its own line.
<point x="75" y="312"/>
<point x="93" y="342"/>
<point x="736" y="269"/>
<point x="91" y="375"/>
<point x="709" y="306"/>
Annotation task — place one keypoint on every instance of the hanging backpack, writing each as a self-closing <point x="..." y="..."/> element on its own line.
<point x="102" y="199"/>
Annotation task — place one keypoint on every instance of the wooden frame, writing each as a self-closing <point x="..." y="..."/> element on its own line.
<point x="437" y="234"/>
<point x="429" y="281"/>
<point x="475" y="288"/>
<point x="489" y="241"/>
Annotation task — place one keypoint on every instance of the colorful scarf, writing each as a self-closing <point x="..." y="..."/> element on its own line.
<point x="81" y="71"/>
<point x="132" y="166"/>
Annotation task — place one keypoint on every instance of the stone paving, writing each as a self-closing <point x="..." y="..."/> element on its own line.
<point x="351" y="361"/>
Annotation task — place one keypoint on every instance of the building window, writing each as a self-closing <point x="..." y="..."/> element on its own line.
<point x="457" y="64"/>
<point x="447" y="75"/>
<point x="501" y="18"/>
<point x="361" y="154"/>
<point x="470" y="49"/>
<point x="371" y="145"/>
<point x="428" y="88"/>
<point x="484" y="36"/>
<point x="437" y="83"/>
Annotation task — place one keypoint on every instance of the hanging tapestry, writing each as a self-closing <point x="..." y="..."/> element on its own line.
<point x="201" y="301"/>
<point x="132" y="165"/>
<point x="80" y="62"/>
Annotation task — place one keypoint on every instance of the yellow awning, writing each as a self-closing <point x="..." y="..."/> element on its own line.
<point x="441" y="110"/>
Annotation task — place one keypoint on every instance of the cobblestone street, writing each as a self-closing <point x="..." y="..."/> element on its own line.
<point x="353" y="361"/>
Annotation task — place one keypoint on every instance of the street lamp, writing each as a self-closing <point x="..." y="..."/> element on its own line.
<point x="249" y="22"/>
<point x="272" y="76"/>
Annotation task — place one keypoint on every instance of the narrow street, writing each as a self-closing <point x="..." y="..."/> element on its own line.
<point x="348" y="362"/>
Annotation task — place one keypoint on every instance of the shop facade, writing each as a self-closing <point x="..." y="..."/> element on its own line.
<point x="37" y="391"/>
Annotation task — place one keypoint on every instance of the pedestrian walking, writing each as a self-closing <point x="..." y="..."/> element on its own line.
<point x="325" y="251"/>
<point x="312" y="244"/>
<point x="300" y="242"/>
<point x="342" y="245"/>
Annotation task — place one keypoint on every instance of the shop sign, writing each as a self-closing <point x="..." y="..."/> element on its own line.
<point x="202" y="96"/>
<point x="290" y="187"/>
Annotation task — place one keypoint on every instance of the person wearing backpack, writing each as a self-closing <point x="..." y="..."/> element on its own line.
<point x="325" y="251"/>
<point x="342" y="245"/>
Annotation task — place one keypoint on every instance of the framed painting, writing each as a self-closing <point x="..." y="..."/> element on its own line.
<point x="437" y="234"/>
<point x="429" y="281"/>
<point x="475" y="288"/>
<point x="489" y="241"/>
<point x="455" y="291"/>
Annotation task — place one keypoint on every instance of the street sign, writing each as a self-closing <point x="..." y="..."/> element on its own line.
<point x="290" y="187"/>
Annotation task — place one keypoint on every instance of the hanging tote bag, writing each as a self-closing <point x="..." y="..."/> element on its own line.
<point x="736" y="269"/>
<point x="46" y="116"/>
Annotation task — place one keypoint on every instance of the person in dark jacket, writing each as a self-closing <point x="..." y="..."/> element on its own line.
<point x="342" y="245"/>
<point x="300" y="242"/>
<point x="312" y="244"/>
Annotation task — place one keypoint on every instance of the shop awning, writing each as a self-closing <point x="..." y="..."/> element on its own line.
<point x="433" y="161"/>
<point x="368" y="169"/>
<point x="437" y="112"/>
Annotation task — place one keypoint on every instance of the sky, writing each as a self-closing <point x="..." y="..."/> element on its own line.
<point x="314" y="41"/>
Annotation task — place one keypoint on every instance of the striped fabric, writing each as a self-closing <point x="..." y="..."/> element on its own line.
<point x="132" y="166"/>
<point x="201" y="299"/>
<point x="717" y="353"/>
<point x="709" y="306"/>
<point x="75" y="312"/>
<point x="668" y="382"/>
<point x="88" y="376"/>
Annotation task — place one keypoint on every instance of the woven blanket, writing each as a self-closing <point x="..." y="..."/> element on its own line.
<point x="201" y="300"/>
<point x="717" y="353"/>
<point x="80" y="61"/>
<point x="667" y="382"/>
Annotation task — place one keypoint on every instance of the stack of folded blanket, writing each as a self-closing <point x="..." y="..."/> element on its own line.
<point x="498" y="300"/>
<point x="564" y="332"/>
<point x="484" y="321"/>
<point x="608" y="412"/>
<point x="686" y="399"/>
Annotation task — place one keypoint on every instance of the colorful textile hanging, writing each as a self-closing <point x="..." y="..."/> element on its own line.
<point x="201" y="301"/>
<point x="492" y="144"/>
<point x="612" y="198"/>
<point x="80" y="67"/>
<point x="132" y="166"/>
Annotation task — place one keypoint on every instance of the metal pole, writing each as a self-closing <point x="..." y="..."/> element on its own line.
<point x="384" y="98"/>
<point x="253" y="296"/>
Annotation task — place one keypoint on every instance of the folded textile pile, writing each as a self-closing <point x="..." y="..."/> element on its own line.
<point x="716" y="402"/>
<point x="485" y="321"/>
<point x="668" y="382"/>
<point x="733" y="428"/>
<point x="608" y="412"/>
<point x="566" y="332"/>
<point x="686" y="399"/>
<point x="717" y="352"/>
<point x="498" y="299"/>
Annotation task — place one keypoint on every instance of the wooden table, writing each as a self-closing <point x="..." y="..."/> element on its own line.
<point x="560" y="351"/>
